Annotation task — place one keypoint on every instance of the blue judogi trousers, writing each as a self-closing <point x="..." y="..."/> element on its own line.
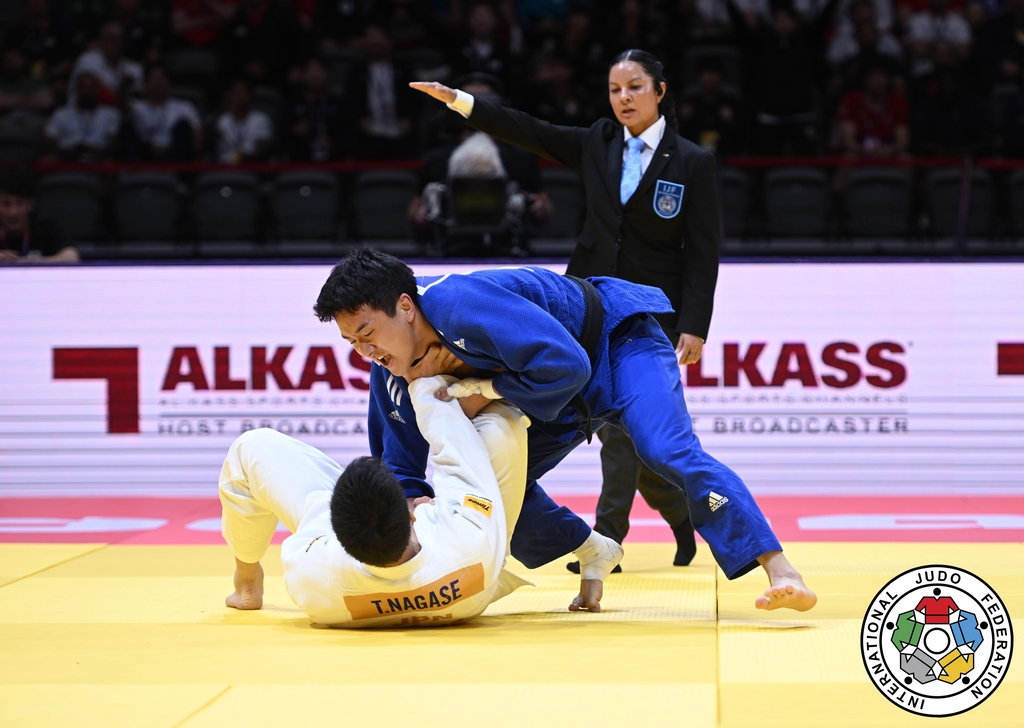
<point x="648" y="403"/>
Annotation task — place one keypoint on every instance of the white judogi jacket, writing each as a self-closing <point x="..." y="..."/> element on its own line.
<point x="464" y="535"/>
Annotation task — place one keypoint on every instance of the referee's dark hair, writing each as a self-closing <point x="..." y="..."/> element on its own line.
<point x="369" y="513"/>
<point x="367" y="277"/>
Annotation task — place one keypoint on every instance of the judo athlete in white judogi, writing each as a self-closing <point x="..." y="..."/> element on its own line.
<point x="453" y="565"/>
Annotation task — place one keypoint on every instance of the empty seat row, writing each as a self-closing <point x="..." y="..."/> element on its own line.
<point x="228" y="205"/>
<point x="877" y="202"/>
<point x="223" y="205"/>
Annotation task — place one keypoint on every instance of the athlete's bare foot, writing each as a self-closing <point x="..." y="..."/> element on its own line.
<point x="787" y="590"/>
<point x="248" y="592"/>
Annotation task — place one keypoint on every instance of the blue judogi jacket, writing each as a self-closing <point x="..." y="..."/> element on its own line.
<point x="523" y="321"/>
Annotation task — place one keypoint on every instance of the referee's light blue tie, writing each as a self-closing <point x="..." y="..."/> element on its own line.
<point x="631" y="169"/>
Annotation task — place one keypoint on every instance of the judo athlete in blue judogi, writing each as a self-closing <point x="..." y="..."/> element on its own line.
<point x="573" y="354"/>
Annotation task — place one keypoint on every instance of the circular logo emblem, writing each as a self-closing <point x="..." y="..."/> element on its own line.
<point x="936" y="640"/>
<point x="667" y="204"/>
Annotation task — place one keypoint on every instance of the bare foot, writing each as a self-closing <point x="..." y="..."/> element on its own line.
<point x="787" y="590"/>
<point x="248" y="592"/>
<point x="589" y="598"/>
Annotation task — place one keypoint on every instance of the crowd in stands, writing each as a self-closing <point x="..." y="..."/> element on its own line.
<point x="238" y="80"/>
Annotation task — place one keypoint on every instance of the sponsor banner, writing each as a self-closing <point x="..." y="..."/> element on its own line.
<point x="853" y="378"/>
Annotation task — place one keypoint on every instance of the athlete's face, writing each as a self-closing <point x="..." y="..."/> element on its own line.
<point x="391" y="341"/>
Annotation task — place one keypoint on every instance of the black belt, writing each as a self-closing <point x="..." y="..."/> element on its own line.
<point x="590" y="340"/>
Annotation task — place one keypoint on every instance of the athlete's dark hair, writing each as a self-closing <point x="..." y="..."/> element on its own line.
<point x="653" y="68"/>
<point x="369" y="513"/>
<point x="367" y="277"/>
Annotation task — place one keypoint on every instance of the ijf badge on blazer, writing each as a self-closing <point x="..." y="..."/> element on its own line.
<point x="668" y="199"/>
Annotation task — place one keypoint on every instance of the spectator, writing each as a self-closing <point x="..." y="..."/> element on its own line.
<point x="199" y="22"/>
<point x="159" y="127"/>
<point x="783" y="59"/>
<point x="538" y="17"/>
<point x="872" y="50"/>
<point x="862" y="32"/>
<point x="882" y="14"/>
<point x="556" y="96"/>
<point x="874" y="122"/>
<point x="21" y="91"/>
<point x="708" y="116"/>
<point x="906" y="9"/>
<point x="520" y="166"/>
<point x="314" y="119"/>
<point x="106" y="62"/>
<point x="483" y="51"/>
<point x="243" y="134"/>
<point x="144" y="29"/>
<point x="937" y="24"/>
<point x="261" y="42"/>
<point x="83" y="130"/>
<point x="380" y="100"/>
<point x="25" y="238"/>
<point x="634" y="26"/>
<point x="340" y="23"/>
<point x="999" y="50"/>
<point x="948" y="120"/>
<point x="48" y="52"/>
<point x="581" y="48"/>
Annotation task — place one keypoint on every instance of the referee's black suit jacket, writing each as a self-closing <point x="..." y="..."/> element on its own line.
<point x="679" y="254"/>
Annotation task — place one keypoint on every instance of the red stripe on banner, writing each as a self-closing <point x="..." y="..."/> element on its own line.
<point x="1010" y="359"/>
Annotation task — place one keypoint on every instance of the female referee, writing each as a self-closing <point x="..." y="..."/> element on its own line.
<point x="652" y="218"/>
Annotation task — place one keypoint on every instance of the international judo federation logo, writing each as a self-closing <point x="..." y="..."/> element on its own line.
<point x="936" y="641"/>
<point x="668" y="198"/>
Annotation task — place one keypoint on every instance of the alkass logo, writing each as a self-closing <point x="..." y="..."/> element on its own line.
<point x="119" y="367"/>
<point x="841" y="364"/>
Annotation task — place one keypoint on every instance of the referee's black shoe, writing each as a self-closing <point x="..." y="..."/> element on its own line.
<point x="686" y="544"/>
<point x="686" y="548"/>
<point x="574" y="567"/>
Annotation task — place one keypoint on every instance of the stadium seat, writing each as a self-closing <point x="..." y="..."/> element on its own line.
<point x="734" y="198"/>
<point x="147" y="206"/>
<point x="71" y="200"/>
<point x="193" y="94"/>
<point x="797" y="202"/>
<point x="380" y="203"/>
<point x="729" y="58"/>
<point x="943" y="187"/>
<point x="878" y="202"/>
<point x="19" y="145"/>
<point x="305" y="205"/>
<point x="225" y="206"/>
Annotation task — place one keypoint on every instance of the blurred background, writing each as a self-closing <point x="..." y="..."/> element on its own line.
<point x="159" y="129"/>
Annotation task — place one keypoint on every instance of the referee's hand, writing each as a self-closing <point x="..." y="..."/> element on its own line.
<point x="689" y="349"/>
<point x="437" y="90"/>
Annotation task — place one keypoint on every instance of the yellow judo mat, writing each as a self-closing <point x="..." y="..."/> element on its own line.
<point x="138" y="636"/>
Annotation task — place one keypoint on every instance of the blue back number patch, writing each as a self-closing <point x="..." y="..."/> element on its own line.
<point x="668" y="199"/>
